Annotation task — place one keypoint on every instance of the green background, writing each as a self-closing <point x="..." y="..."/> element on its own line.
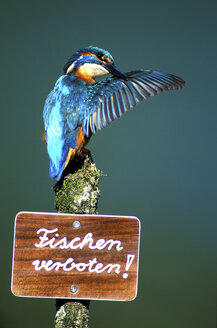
<point x="160" y="158"/>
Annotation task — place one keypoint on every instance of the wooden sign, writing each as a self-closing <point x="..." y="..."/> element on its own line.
<point x="75" y="256"/>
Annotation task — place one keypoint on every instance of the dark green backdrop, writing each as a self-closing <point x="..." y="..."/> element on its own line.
<point x="160" y="159"/>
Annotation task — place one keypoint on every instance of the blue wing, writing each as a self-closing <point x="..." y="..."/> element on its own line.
<point x="111" y="98"/>
<point x="54" y="135"/>
<point x="61" y="116"/>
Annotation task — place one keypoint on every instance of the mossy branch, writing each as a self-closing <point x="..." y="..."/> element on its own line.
<point x="72" y="314"/>
<point x="77" y="192"/>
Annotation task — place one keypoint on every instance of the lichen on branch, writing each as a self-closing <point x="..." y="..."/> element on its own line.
<point x="72" y="314"/>
<point x="77" y="192"/>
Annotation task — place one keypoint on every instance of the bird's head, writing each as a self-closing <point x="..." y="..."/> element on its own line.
<point x="91" y="62"/>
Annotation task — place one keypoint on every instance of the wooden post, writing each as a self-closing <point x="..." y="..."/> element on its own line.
<point x="77" y="192"/>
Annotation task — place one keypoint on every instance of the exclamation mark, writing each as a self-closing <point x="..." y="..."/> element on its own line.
<point x="130" y="259"/>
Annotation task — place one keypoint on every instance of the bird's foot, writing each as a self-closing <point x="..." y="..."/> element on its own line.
<point x="85" y="151"/>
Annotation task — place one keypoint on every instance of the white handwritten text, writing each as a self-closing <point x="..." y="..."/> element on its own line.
<point x="76" y="242"/>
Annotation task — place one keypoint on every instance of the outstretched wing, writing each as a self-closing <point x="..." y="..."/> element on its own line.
<point x="112" y="97"/>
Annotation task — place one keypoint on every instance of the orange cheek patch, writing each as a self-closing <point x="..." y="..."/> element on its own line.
<point x="86" y="53"/>
<point x="108" y="60"/>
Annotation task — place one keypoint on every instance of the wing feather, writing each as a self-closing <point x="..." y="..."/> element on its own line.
<point x="130" y="93"/>
<point x="111" y="98"/>
<point x="126" y="99"/>
<point x="149" y="87"/>
<point x="106" y="111"/>
<point x="116" y="105"/>
<point x="121" y="101"/>
<point x="102" y="115"/>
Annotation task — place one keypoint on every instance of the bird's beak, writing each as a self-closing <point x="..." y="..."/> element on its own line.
<point x="114" y="70"/>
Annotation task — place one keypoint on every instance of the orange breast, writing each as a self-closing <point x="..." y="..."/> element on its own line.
<point x="81" y="141"/>
<point x="82" y="74"/>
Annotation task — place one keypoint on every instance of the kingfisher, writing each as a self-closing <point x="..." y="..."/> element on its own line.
<point x="79" y="106"/>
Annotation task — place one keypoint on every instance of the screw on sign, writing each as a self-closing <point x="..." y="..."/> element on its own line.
<point x="73" y="289"/>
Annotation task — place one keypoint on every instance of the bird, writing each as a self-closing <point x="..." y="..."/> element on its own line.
<point x="80" y="104"/>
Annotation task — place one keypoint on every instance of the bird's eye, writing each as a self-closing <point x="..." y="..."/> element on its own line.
<point x="99" y="55"/>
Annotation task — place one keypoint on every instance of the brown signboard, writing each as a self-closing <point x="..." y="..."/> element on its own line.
<point x="75" y="256"/>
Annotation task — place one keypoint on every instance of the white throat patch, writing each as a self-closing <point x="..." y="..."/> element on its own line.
<point x="93" y="70"/>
